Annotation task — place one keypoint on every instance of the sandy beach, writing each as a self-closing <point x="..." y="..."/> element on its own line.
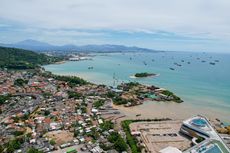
<point x="154" y="109"/>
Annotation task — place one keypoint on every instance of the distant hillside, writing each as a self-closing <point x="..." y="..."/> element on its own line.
<point x="41" y="46"/>
<point x="14" y="58"/>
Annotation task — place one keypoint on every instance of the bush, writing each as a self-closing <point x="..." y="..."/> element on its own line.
<point x="119" y="143"/>
<point x="3" y="98"/>
<point x="106" y="125"/>
<point x="98" y="103"/>
<point x="71" y="80"/>
<point x="132" y="142"/>
<point x="20" y="82"/>
<point x="33" y="150"/>
<point x="74" y="95"/>
<point x="52" y="142"/>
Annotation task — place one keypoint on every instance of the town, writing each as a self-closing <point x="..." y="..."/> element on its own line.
<point x="42" y="112"/>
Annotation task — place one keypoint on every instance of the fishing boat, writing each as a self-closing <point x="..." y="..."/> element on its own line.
<point x="90" y="67"/>
<point x="212" y="63"/>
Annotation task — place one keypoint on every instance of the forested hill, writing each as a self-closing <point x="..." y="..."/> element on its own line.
<point x="14" y="58"/>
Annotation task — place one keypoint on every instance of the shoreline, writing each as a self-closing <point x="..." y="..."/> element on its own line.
<point x="151" y="76"/>
<point x="193" y="104"/>
<point x="155" y="109"/>
<point x="186" y="110"/>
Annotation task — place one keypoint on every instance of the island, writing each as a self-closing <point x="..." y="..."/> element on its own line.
<point x="144" y="74"/>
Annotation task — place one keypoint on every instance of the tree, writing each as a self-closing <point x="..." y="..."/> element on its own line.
<point x="107" y="125"/>
<point x="3" y="98"/>
<point x="52" y="142"/>
<point x="33" y="150"/>
<point x="47" y="112"/>
<point x="13" y="58"/>
<point x="119" y="143"/>
<point x="20" y="82"/>
<point x="74" y="94"/>
<point x="13" y="145"/>
<point x="98" y="103"/>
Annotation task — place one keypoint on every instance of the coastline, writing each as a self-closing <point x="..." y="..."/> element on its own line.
<point x="197" y="94"/>
<point x="154" y="109"/>
<point x="60" y="62"/>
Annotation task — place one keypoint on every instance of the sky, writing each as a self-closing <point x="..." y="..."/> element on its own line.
<point x="178" y="25"/>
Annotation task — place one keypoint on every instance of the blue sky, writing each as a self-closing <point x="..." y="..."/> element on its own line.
<point x="184" y="25"/>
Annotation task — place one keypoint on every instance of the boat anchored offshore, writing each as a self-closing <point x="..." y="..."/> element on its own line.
<point x="90" y="67"/>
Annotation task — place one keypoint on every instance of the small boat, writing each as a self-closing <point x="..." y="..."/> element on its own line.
<point x="203" y="61"/>
<point x="182" y="60"/>
<point x="138" y="115"/>
<point x="212" y="63"/>
<point x="189" y="62"/>
<point x="177" y="64"/>
<point x="171" y="68"/>
<point x="90" y="67"/>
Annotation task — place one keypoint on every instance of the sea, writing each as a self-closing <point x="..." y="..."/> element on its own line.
<point x="202" y="80"/>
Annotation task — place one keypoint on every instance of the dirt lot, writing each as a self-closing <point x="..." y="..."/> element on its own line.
<point x="60" y="137"/>
<point x="159" y="135"/>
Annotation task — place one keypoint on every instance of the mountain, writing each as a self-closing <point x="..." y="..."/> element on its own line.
<point x="30" y="44"/>
<point x="42" y="46"/>
<point x="23" y="59"/>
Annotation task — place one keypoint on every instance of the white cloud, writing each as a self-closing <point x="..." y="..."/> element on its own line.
<point x="169" y="15"/>
<point x="195" y="18"/>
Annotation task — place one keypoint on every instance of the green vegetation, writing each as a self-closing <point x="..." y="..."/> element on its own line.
<point x="132" y="142"/>
<point x="111" y="94"/>
<point x="13" y="58"/>
<point x="119" y="143"/>
<point x="46" y="94"/>
<point x="4" y="98"/>
<point x="18" y="133"/>
<point x="20" y="82"/>
<point x="46" y="112"/>
<point x="13" y="145"/>
<point x="106" y="125"/>
<point x="74" y="95"/>
<point x="199" y="139"/>
<point x="170" y="94"/>
<point x="98" y="103"/>
<point x="52" y="142"/>
<point x="94" y="134"/>
<point x="33" y="150"/>
<point x="71" y="80"/>
<point x="72" y="150"/>
<point x="119" y="101"/>
<point x="144" y="74"/>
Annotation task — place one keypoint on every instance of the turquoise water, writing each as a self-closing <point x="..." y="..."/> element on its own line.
<point x="199" y="83"/>
<point x="199" y="122"/>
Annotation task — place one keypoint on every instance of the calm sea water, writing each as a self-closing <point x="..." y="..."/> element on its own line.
<point x="198" y="83"/>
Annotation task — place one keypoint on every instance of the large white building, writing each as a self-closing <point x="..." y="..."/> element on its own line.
<point x="199" y="127"/>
